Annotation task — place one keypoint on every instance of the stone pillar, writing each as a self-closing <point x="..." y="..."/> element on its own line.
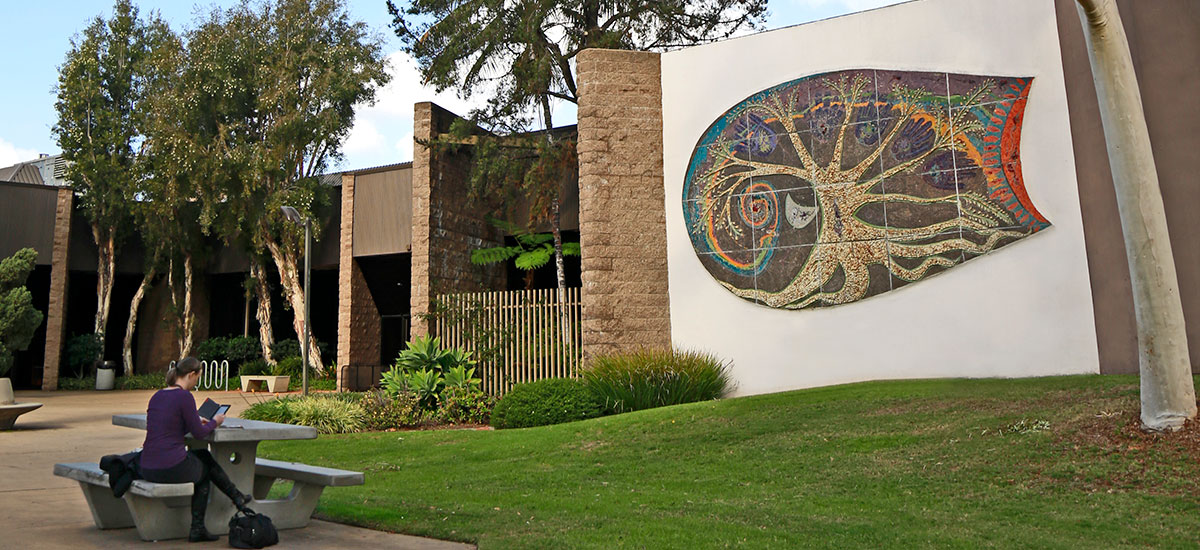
<point x="56" y="311"/>
<point x="359" y="324"/>
<point x="420" y="295"/>
<point x="622" y="221"/>
<point x="447" y="223"/>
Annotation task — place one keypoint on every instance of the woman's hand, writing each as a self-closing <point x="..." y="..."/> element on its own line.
<point x="219" y="419"/>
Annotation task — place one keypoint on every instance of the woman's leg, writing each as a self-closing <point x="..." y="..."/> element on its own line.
<point x="214" y="473"/>
<point x="192" y="469"/>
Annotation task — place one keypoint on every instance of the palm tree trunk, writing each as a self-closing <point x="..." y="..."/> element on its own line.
<point x="1167" y="391"/>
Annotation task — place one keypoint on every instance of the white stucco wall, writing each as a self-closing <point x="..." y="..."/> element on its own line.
<point x="1023" y="310"/>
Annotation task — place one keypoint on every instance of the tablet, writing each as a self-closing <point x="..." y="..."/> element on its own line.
<point x="210" y="408"/>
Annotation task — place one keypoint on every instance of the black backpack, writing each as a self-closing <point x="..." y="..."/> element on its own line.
<point x="248" y="529"/>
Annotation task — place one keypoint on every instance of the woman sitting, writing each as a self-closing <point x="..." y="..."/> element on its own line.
<point x="170" y="415"/>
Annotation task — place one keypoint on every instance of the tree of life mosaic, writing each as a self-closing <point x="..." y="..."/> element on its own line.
<point x="836" y="187"/>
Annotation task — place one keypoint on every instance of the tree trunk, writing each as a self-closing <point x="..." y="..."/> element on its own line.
<point x="1167" y="391"/>
<point x="105" y="268"/>
<point x="188" y="321"/>
<point x="266" y="336"/>
<point x="293" y="291"/>
<point x="134" y="304"/>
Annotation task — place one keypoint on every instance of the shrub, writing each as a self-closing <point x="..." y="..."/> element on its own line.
<point x="549" y="401"/>
<point x="654" y="378"/>
<point x="296" y="383"/>
<point x="213" y="349"/>
<point x="383" y="411"/>
<point x="275" y="410"/>
<point x="240" y="349"/>
<point x="150" y="381"/>
<point x="83" y="350"/>
<point x="426" y="353"/>
<point x="255" y="367"/>
<point x="70" y="383"/>
<point x="328" y="416"/>
<point x="292" y="366"/>
<point x="290" y="347"/>
<point x="459" y="405"/>
<point x="394" y="381"/>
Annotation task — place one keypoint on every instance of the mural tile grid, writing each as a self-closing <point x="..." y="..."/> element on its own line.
<point x="833" y="188"/>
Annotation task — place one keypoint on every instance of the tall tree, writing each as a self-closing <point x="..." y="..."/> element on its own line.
<point x="519" y="56"/>
<point x="1167" y="391"/>
<point x="101" y="87"/>
<point x="305" y="65"/>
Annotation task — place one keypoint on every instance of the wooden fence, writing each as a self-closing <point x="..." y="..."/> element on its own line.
<point x="517" y="336"/>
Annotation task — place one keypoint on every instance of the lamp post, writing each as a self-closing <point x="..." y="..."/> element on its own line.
<point x="296" y="218"/>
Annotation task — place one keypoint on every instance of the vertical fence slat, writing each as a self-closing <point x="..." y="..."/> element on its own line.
<point x="528" y="334"/>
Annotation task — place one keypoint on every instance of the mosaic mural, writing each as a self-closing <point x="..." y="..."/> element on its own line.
<point x="836" y="187"/>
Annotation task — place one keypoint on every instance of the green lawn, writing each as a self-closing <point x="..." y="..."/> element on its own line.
<point x="1031" y="463"/>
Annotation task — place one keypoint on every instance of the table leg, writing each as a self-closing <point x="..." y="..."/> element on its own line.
<point x="237" y="459"/>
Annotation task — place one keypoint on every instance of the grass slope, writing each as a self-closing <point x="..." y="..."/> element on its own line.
<point x="929" y="463"/>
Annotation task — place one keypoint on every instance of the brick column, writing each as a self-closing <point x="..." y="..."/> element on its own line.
<point x="447" y="224"/>
<point x="622" y="221"/>
<point x="359" y="324"/>
<point x="56" y="311"/>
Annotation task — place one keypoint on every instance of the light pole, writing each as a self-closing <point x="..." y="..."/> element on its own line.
<point x="295" y="217"/>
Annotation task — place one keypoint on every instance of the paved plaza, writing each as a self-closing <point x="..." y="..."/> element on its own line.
<point x="39" y="510"/>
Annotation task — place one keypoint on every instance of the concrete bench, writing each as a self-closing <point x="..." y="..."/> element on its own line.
<point x="274" y="384"/>
<point x="296" y="508"/>
<point x="158" y="510"/>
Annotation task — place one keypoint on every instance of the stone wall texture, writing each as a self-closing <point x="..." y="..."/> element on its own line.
<point x="446" y="225"/>
<point x="56" y="313"/>
<point x="621" y="206"/>
<point x="359" y="337"/>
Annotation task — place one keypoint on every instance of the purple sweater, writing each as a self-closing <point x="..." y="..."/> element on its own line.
<point x="171" y="414"/>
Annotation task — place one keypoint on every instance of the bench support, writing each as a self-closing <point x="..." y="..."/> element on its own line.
<point x="161" y="518"/>
<point x="290" y="512"/>
<point x="108" y="511"/>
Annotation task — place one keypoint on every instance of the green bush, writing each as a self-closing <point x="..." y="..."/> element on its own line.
<point x="275" y="410"/>
<point x="151" y="381"/>
<point x="328" y="416"/>
<point x="288" y="367"/>
<point x="459" y="405"/>
<point x="73" y="383"/>
<point x="549" y="401"/>
<point x="426" y="353"/>
<point x="241" y="349"/>
<point x="290" y="347"/>
<point x="383" y="411"/>
<point x="255" y="367"/>
<point x="296" y="383"/>
<point x="654" y="378"/>
<point x="83" y="350"/>
<point x="213" y="349"/>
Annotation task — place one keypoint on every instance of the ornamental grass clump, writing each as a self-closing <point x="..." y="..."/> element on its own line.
<point x="646" y="379"/>
<point x="329" y="415"/>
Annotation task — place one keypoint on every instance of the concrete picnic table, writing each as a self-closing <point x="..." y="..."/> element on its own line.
<point x="161" y="511"/>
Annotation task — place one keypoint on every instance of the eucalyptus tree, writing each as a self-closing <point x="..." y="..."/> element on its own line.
<point x="1167" y="392"/>
<point x="101" y="87"/>
<point x="519" y="56"/>
<point x="288" y="76"/>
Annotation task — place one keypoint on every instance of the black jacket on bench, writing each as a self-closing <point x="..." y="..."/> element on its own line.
<point x="121" y="470"/>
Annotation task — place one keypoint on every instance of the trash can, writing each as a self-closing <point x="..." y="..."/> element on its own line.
<point x="106" y="375"/>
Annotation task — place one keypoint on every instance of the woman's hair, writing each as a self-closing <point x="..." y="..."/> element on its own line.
<point x="184" y="367"/>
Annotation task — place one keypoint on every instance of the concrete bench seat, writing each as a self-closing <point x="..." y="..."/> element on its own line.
<point x="296" y="508"/>
<point x="274" y="384"/>
<point x="304" y="473"/>
<point x="156" y="509"/>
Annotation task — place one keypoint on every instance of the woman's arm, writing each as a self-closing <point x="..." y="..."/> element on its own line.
<point x="191" y="418"/>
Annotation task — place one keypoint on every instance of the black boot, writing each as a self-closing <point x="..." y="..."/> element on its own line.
<point x="199" y="506"/>
<point x="225" y="485"/>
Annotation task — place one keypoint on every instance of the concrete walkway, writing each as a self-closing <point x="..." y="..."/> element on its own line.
<point x="39" y="510"/>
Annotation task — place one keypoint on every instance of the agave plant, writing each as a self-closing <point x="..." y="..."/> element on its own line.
<point x="423" y="352"/>
<point x="462" y="376"/>
<point x="394" y="382"/>
<point x="426" y="384"/>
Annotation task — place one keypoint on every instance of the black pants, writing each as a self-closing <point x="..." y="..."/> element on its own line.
<point x="200" y="468"/>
